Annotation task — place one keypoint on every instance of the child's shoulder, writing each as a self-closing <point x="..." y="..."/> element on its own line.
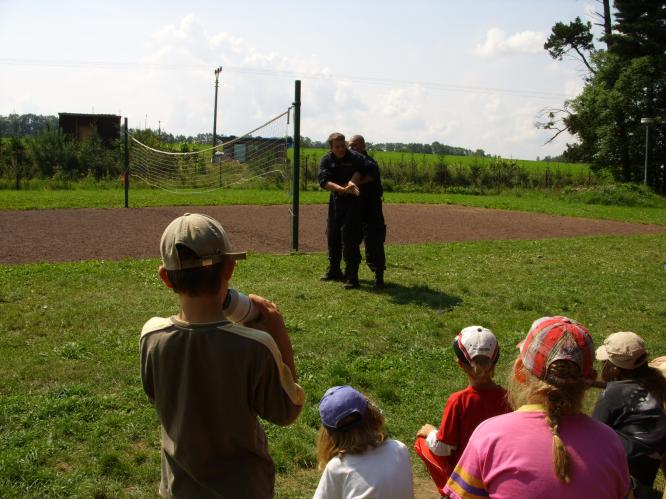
<point x="155" y="324"/>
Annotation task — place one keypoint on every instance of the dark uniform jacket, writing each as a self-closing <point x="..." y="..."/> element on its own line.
<point x="340" y="171"/>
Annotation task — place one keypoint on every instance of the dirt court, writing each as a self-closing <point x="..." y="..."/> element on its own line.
<point x="111" y="234"/>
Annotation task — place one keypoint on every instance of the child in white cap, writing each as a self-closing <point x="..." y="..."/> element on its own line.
<point x="357" y="457"/>
<point x="633" y="405"/>
<point x="547" y="448"/>
<point x="477" y="353"/>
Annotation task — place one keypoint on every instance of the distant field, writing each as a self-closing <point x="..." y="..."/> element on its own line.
<point x="403" y="158"/>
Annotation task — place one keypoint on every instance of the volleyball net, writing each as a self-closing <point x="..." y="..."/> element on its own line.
<point x="257" y="159"/>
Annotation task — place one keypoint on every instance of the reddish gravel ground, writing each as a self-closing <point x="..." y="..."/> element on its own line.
<point x="111" y="234"/>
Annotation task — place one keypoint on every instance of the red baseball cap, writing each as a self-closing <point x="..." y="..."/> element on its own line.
<point x="557" y="338"/>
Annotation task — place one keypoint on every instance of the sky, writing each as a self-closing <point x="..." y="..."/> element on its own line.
<point x="472" y="74"/>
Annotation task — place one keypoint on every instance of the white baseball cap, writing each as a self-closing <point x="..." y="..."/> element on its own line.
<point x="473" y="341"/>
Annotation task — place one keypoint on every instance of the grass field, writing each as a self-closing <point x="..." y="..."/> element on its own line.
<point x="406" y="158"/>
<point x="76" y="423"/>
<point x="639" y="206"/>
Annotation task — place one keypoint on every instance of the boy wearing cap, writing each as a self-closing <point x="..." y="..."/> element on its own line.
<point x="633" y="405"/>
<point x="208" y="378"/>
<point x="477" y="353"/>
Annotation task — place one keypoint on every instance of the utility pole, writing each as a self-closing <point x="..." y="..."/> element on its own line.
<point x="217" y="75"/>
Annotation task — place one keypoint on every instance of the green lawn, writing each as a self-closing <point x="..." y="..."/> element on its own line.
<point x="535" y="201"/>
<point x="74" y="420"/>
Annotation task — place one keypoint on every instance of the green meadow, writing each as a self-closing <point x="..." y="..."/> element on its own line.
<point x="613" y="202"/>
<point x="407" y="159"/>
<point x="73" y="417"/>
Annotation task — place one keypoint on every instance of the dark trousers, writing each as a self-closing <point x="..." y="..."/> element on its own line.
<point x="344" y="231"/>
<point x="374" y="234"/>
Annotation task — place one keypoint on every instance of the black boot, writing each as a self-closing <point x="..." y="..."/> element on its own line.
<point x="379" y="280"/>
<point x="351" y="279"/>
<point x="333" y="274"/>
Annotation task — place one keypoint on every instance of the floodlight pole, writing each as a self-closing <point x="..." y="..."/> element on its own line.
<point x="217" y="75"/>
<point x="647" y="122"/>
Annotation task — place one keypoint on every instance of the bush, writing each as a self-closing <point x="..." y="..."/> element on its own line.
<point x="616" y="194"/>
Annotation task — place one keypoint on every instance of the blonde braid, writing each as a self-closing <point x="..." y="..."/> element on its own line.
<point x="555" y="405"/>
<point x="561" y="393"/>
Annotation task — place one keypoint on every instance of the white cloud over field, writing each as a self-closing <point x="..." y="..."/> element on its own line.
<point x="498" y="42"/>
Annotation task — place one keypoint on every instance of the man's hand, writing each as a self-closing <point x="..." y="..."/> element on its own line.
<point x="271" y="321"/>
<point x="425" y="430"/>
<point x="351" y="189"/>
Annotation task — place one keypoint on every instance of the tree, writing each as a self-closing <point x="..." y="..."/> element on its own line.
<point x="626" y="81"/>
<point x="575" y="36"/>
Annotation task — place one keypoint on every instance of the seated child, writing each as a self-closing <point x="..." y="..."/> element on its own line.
<point x="547" y="448"/>
<point x="633" y="405"/>
<point x="357" y="457"/>
<point x="477" y="353"/>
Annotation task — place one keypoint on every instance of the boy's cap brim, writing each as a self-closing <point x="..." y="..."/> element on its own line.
<point x="201" y="234"/>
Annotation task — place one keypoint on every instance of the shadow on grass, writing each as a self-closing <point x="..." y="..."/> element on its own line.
<point x="417" y="295"/>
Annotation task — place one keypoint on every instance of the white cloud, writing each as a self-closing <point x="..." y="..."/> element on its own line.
<point x="498" y="42"/>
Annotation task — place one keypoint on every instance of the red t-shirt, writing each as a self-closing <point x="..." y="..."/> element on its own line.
<point x="463" y="412"/>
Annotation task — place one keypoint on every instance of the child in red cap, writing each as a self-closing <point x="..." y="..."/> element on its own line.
<point x="477" y="353"/>
<point x="547" y="448"/>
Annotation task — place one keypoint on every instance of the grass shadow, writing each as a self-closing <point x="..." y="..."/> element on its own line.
<point x="417" y="295"/>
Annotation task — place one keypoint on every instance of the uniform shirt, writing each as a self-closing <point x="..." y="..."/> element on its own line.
<point x="639" y="420"/>
<point x="511" y="456"/>
<point x="209" y="382"/>
<point x="372" y="189"/>
<point x="340" y="170"/>
<point x="380" y="473"/>
<point x="463" y="412"/>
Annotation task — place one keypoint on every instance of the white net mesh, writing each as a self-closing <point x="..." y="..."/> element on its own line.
<point x="257" y="159"/>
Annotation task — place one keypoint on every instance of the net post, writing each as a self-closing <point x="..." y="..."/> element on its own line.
<point x="126" y="174"/>
<point x="297" y="164"/>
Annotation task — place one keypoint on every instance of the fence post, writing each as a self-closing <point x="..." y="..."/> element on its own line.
<point x="126" y="174"/>
<point x="297" y="163"/>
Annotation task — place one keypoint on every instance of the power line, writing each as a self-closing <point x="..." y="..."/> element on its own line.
<point x="439" y="86"/>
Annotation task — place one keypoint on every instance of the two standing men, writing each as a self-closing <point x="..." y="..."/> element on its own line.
<point x="354" y="210"/>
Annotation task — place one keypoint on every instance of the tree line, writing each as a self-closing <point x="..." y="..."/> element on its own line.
<point x="625" y="82"/>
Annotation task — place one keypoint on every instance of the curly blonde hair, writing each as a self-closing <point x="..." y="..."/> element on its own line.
<point x="356" y="440"/>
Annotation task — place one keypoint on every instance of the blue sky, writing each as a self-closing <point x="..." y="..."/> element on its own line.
<point x="470" y="74"/>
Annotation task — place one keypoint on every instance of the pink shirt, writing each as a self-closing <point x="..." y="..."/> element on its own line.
<point x="510" y="456"/>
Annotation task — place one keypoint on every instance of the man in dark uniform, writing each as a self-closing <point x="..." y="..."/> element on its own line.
<point x="343" y="229"/>
<point x="374" y="227"/>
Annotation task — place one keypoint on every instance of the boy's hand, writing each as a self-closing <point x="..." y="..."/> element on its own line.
<point x="425" y="430"/>
<point x="271" y="321"/>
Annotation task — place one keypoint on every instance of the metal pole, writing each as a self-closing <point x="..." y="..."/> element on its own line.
<point x="297" y="163"/>
<point x="647" y="142"/>
<point x="647" y="122"/>
<point x="126" y="165"/>
<point x="217" y="74"/>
